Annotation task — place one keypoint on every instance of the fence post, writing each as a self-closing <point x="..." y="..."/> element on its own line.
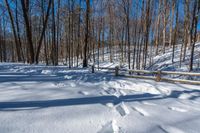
<point x="158" y="76"/>
<point x="92" y="68"/>
<point x="117" y="71"/>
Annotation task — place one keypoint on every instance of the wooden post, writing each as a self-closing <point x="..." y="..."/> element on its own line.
<point x="92" y="68"/>
<point x="158" y="76"/>
<point x="116" y="71"/>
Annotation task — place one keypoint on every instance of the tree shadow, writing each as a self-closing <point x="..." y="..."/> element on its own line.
<point x="74" y="74"/>
<point x="32" y="105"/>
<point x="177" y="94"/>
<point x="29" y="105"/>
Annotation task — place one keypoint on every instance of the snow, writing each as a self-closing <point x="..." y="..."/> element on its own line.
<point x="37" y="98"/>
<point x="164" y="61"/>
<point x="122" y="109"/>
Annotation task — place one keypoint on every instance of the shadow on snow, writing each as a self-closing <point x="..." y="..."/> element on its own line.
<point x="17" y="106"/>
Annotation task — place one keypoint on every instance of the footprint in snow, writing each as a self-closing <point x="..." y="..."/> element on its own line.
<point x="177" y="109"/>
<point x="72" y="84"/>
<point x="110" y="127"/>
<point x="141" y="111"/>
<point x="195" y="102"/>
<point x="115" y="92"/>
<point x="185" y="96"/>
<point x="122" y="92"/>
<point x="110" y="90"/>
<point x="47" y="72"/>
<point x="67" y="77"/>
<point x="149" y="103"/>
<point x="59" y="85"/>
<point x="103" y="93"/>
<point x="122" y="109"/>
<point x="110" y="105"/>
<point x="170" y="129"/>
<point x="85" y="93"/>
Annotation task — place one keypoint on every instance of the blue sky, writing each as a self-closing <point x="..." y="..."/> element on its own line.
<point x="181" y="10"/>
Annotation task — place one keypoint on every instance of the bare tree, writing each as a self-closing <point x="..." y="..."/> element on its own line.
<point x="25" y="9"/>
<point x="85" y="58"/>
<point x="193" y="30"/>
<point x="45" y="20"/>
<point x="175" y="32"/>
<point x="14" y="31"/>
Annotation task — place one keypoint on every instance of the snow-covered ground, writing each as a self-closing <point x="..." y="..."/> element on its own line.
<point x="40" y="99"/>
<point x="164" y="61"/>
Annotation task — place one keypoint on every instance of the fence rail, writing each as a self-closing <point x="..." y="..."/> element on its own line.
<point x="155" y="75"/>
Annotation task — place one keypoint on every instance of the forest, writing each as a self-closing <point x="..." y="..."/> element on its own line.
<point x="99" y="66"/>
<point x="75" y="31"/>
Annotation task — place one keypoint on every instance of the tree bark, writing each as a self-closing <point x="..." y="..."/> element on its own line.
<point x="25" y="9"/>
<point x="85" y="60"/>
<point x="14" y="31"/>
<point x="45" y="21"/>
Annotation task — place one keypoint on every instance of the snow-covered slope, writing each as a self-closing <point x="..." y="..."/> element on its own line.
<point x="55" y="99"/>
<point x="164" y="61"/>
<point x="159" y="62"/>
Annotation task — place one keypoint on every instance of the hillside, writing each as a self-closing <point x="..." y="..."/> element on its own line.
<point x="164" y="61"/>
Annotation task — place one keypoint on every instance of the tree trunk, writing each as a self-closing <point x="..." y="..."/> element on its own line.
<point x="175" y="33"/>
<point x="45" y="21"/>
<point x="194" y="29"/>
<point x="85" y="60"/>
<point x="14" y="31"/>
<point x="25" y="9"/>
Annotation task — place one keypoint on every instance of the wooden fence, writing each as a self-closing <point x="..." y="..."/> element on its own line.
<point x="153" y="75"/>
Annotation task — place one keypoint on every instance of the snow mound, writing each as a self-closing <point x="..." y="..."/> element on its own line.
<point x="48" y="72"/>
<point x="68" y="77"/>
<point x="110" y="127"/>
